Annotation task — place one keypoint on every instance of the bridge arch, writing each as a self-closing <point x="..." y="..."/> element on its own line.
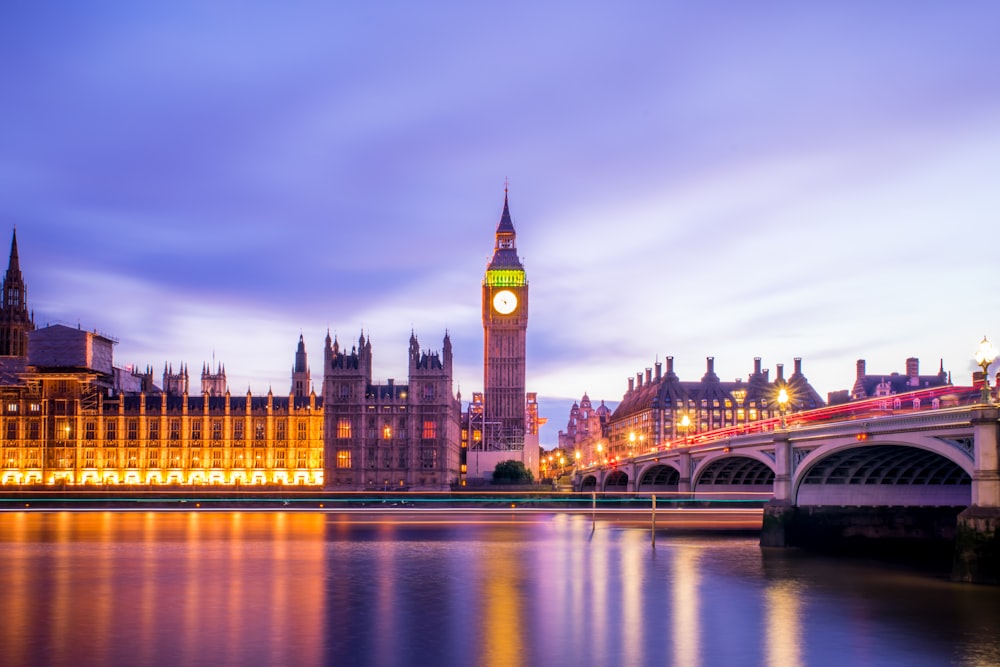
<point x="924" y="471"/>
<point x="751" y="466"/>
<point x="616" y="480"/>
<point x="747" y="471"/>
<point x="588" y="483"/>
<point x="658" y="477"/>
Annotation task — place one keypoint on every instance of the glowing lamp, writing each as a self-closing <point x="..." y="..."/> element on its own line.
<point x="984" y="357"/>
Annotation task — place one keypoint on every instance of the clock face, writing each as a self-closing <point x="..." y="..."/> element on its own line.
<point x="504" y="302"/>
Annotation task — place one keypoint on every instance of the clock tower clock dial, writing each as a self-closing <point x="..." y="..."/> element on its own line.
<point x="504" y="302"/>
<point x="505" y="323"/>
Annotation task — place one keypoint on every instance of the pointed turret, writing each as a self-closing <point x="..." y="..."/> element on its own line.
<point x="301" y="379"/>
<point x="15" y="319"/>
<point x="446" y="353"/>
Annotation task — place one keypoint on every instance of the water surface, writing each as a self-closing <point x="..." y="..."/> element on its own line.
<point x="464" y="588"/>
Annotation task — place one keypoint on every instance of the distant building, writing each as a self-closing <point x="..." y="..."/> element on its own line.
<point x="660" y="408"/>
<point x="586" y="429"/>
<point x="874" y="385"/>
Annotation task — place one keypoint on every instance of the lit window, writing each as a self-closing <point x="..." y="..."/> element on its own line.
<point x="386" y="432"/>
<point x="344" y="427"/>
<point x="430" y="429"/>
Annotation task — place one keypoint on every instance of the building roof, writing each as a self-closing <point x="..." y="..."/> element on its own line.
<point x="668" y="391"/>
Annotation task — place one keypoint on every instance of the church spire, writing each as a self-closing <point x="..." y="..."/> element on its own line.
<point x="15" y="320"/>
<point x="13" y="281"/>
<point x="14" y="265"/>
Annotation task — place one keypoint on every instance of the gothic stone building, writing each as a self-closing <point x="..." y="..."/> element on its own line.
<point x="69" y="416"/>
<point x="390" y="436"/>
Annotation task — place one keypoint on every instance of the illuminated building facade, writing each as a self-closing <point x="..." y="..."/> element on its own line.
<point x="69" y="416"/>
<point x="390" y="436"/>
<point x="659" y="407"/>
<point x="73" y="418"/>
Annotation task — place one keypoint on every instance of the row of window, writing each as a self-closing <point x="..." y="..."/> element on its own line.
<point x="166" y="458"/>
<point x="429" y="430"/>
<point x="64" y="430"/>
<point x="428" y="458"/>
<point x="13" y="408"/>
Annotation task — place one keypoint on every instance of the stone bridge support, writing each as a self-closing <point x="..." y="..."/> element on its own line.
<point x="684" y="465"/>
<point x="633" y="472"/>
<point x="782" y="468"/>
<point x="779" y="513"/>
<point x="977" y="538"/>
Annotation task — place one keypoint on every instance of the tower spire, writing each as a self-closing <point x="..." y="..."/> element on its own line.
<point x="15" y="319"/>
<point x="14" y="265"/>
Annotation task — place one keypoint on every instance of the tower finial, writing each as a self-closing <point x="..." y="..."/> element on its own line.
<point x="506" y="186"/>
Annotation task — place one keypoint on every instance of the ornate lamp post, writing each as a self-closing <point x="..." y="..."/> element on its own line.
<point x="782" y="404"/>
<point x="685" y="425"/>
<point x="984" y="357"/>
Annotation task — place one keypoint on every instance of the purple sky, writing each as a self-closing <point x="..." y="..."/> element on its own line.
<point x="688" y="179"/>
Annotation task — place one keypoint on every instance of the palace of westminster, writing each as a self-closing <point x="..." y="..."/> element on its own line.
<point x="69" y="416"/>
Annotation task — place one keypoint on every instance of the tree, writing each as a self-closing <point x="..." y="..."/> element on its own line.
<point x="511" y="472"/>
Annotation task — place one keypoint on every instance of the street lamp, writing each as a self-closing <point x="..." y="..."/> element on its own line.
<point x="984" y="357"/>
<point x="782" y="404"/>
<point x="685" y="425"/>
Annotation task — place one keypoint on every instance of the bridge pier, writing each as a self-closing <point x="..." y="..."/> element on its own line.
<point x="782" y="468"/>
<point x="919" y="535"/>
<point x="684" y="465"/>
<point x="977" y="538"/>
<point x="776" y="529"/>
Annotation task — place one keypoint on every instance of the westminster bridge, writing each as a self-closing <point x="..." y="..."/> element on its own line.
<point x="875" y="476"/>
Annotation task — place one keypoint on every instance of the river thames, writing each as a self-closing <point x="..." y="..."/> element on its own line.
<point x="459" y="588"/>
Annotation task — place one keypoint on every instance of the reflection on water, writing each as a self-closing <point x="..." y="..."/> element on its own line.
<point x="783" y="609"/>
<point x="684" y="586"/>
<point x="301" y="588"/>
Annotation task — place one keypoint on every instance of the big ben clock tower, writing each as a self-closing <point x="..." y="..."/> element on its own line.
<point x="505" y="322"/>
